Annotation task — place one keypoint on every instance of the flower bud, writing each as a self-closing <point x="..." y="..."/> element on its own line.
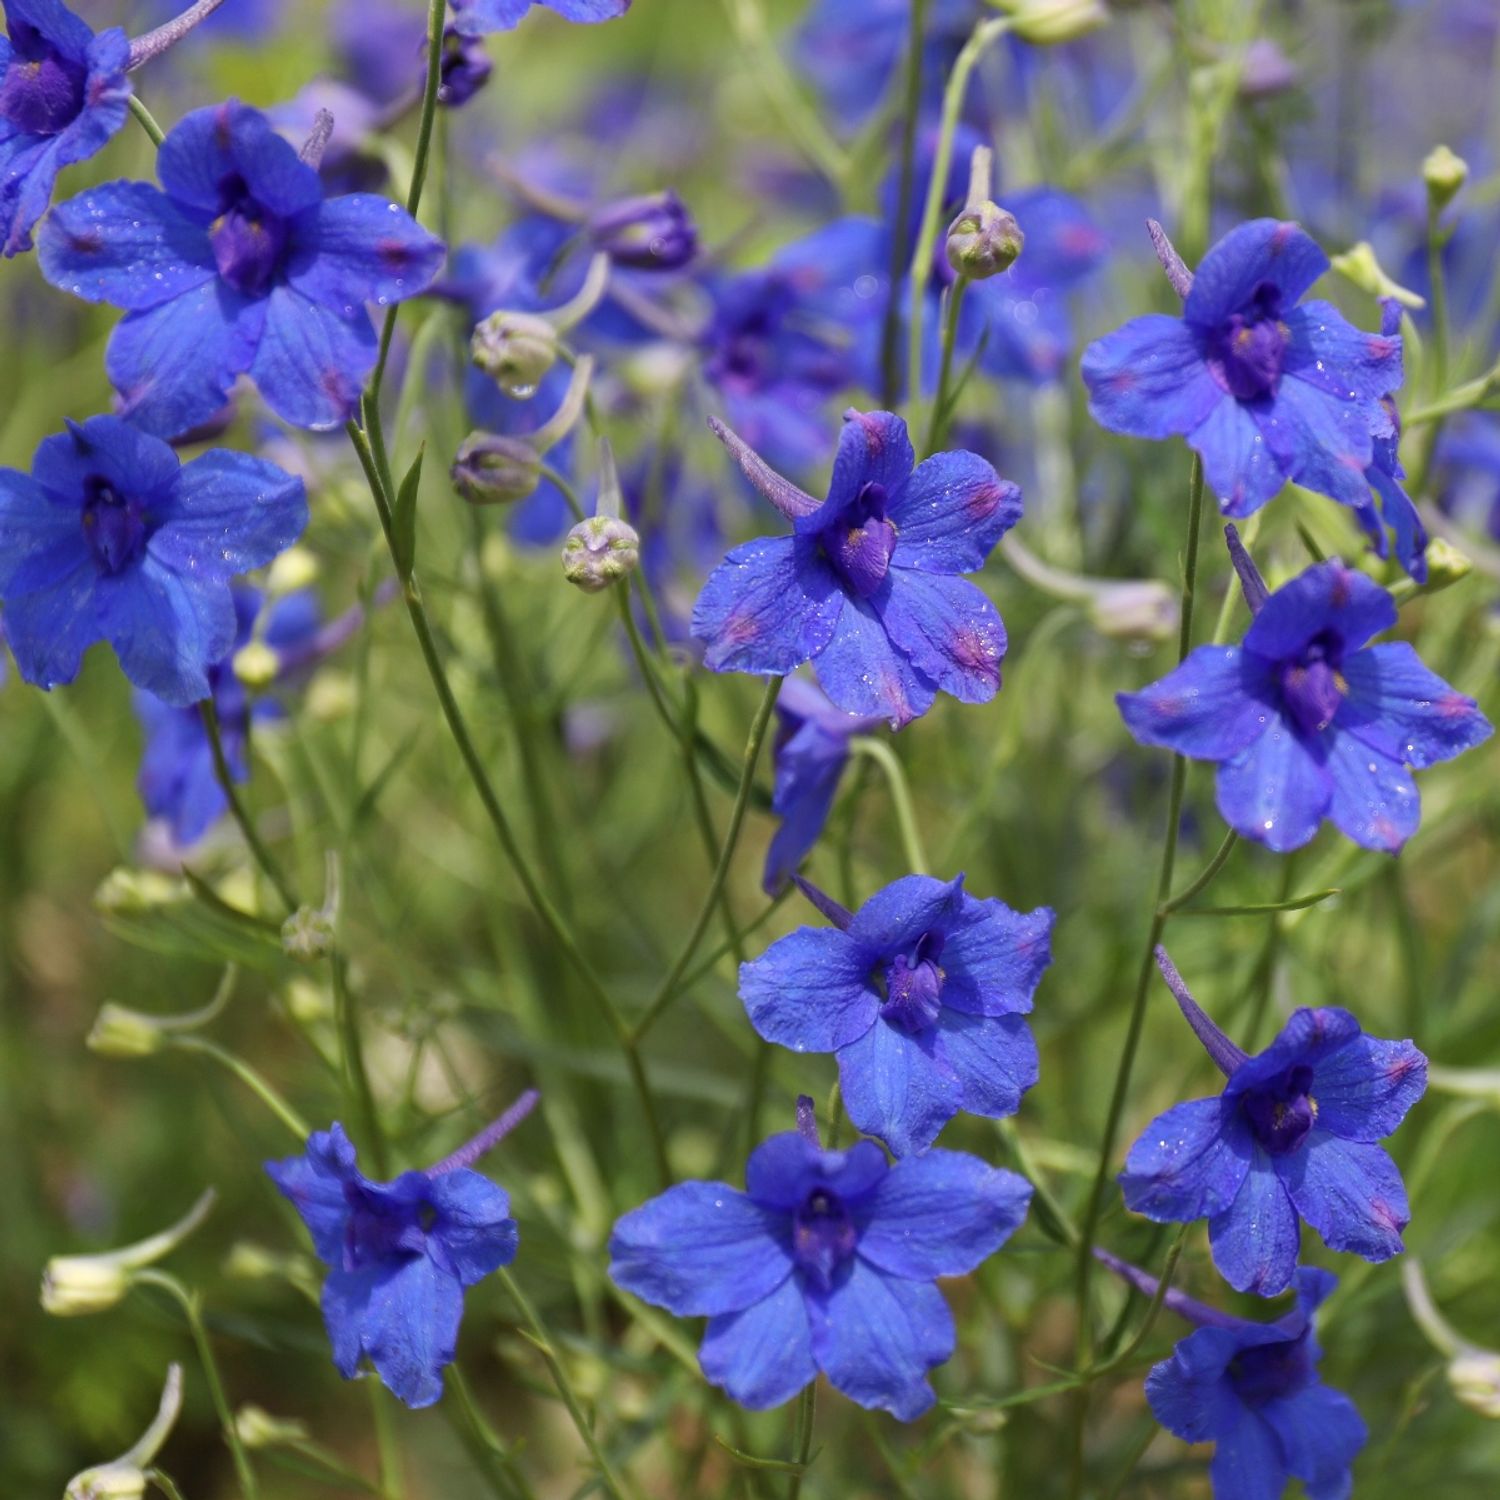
<point x="127" y="892"/>
<point x="1444" y="173"/>
<point x="493" y="470"/>
<point x="599" y="552"/>
<point x="653" y="232"/>
<point x="257" y="1428"/>
<point x="1266" y="70"/>
<point x="516" y="350"/>
<point x="307" y="935"/>
<point x="1045" y="22"/>
<point x="1446" y="565"/>
<point x="120" y="1032"/>
<point x="257" y="665"/>
<point x="125" y="1477"/>
<point x="983" y="241"/>
<point x="1139" y="610"/>
<point x="296" y="568"/>
<point x="1475" y="1378"/>
<point x="1358" y="266"/>
<point x="463" y="70"/>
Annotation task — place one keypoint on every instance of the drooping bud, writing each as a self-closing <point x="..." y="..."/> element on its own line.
<point x="1044" y="23"/>
<point x="125" y="1477"/>
<point x="463" y="70"/>
<point x="493" y="470"/>
<point x="121" y="1032"/>
<point x="1475" y="1378"/>
<point x="1135" y="610"/>
<point x="1445" y="173"/>
<point x="1446" y="565"/>
<point x="983" y="241"/>
<point x="1358" y="266"/>
<point x="257" y="1428"/>
<point x="516" y="350"/>
<point x="653" y="232"/>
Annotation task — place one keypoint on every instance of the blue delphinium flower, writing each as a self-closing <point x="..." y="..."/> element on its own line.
<point x="866" y="585"/>
<point x="1306" y="721"/>
<point x="811" y="751"/>
<point x="239" y="267"/>
<point x="825" y="1262"/>
<point x="1252" y="1390"/>
<point x="1293" y="1136"/>
<point x="478" y="17"/>
<point x="1263" y="389"/>
<point x="400" y="1254"/>
<point x="111" y="538"/>
<point x="63" y="95"/>
<point x="920" y="995"/>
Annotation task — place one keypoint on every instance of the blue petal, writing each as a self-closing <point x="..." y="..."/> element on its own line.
<point x="1149" y="379"/>
<point x="700" y="1247"/>
<point x="313" y="1184"/>
<point x="1188" y="1393"/>
<point x="763" y="1355"/>
<point x="768" y="607"/>
<point x="311" y="362"/>
<point x="1275" y="792"/>
<point x="1365" y="1088"/>
<point x="898" y="916"/>
<point x="994" y="1057"/>
<point x="49" y="630"/>
<point x="231" y="139"/>
<point x="230" y="512"/>
<point x="1247" y="1462"/>
<point x="1325" y="350"/>
<point x="588" y="12"/>
<point x="176" y="780"/>
<point x="940" y="1214"/>
<point x="1239" y="465"/>
<point x="134" y="462"/>
<point x="361" y="248"/>
<point x="1311" y="1033"/>
<point x="56" y="23"/>
<point x="167" y="627"/>
<point x="1327" y="596"/>
<point x="951" y="512"/>
<point x="345" y="1301"/>
<point x="1399" y="707"/>
<point x="1320" y="1432"/>
<point x="474" y="1231"/>
<point x="481" y="17"/>
<point x="994" y="958"/>
<point x="41" y="534"/>
<point x="1320" y="441"/>
<point x="1261" y="250"/>
<point x="1255" y="1239"/>
<point x="874" y="448"/>
<point x="125" y="243"/>
<point x="1210" y="708"/>
<point x="809" y="766"/>
<point x="898" y="1087"/>
<point x="810" y="991"/>
<point x="948" y="629"/>
<point x="861" y="669"/>
<point x="1350" y="1192"/>
<point x="1375" y="801"/>
<point x="875" y="1337"/>
<point x="1190" y="1163"/>
<point x="411" y="1329"/>
<point x="786" y="1169"/>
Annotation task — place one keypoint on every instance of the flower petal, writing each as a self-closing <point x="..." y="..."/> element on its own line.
<point x="1326" y="596"/>
<point x="1399" y="707"/>
<point x="1239" y="465"/>
<point x="1327" y="351"/>
<point x="947" y="628"/>
<point x="1321" y="1432"/>
<point x="1187" y="1393"/>
<point x="1189" y="1163"/>
<point x="361" y="248"/>
<point x="898" y="1087"/>
<point x="762" y="1355"/>
<point x="1375" y="801"/>
<point x="1320" y="441"/>
<point x="784" y="1170"/>
<point x="1255" y="1239"/>
<point x="313" y="1184"/>
<point x="411" y="1329"/>
<point x="994" y="1057"/>
<point x="345" y="1302"/>
<point x="810" y="990"/>
<point x="49" y="630"/>
<point x="1210" y="708"/>
<point x="229" y="512"/>
<point x="167" y="627"/>
<point x="1364" y="1089"/>
<point x="1149" y="379"/>
<point x="41" y="535"/>
<point x="311" y="362"/>
<point x="1247" y="1462"/>
<point x="951" y="512"/>
<point x="1260" y="250"/>
<point x="1275" y="792"/>
<point x="899" y="915"/>
<point x="1311" y="1033"/>
<point x="863" y="672"/>
<point x="1350" y="1192"/>
<point x="474" y="1232"/>
<point x="874" y="448"/>
<point x="230" y="139"/>
<point x="994" y="958"/>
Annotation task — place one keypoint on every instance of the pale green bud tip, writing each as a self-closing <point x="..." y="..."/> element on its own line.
<point x="117" y="1481"/>
<point x="516" y="350"/>
<point x="1144" y="610"/>
<point x="1358" y="266"/>
<point x="257" y="1428"/>
<point x="1475" y="1378"/>
<point x="1446" y="564"/>
<point x="121" y="1032"/>
<point x="127" y="892"/>
<point x="493" y="470"/>
<point x="1047" y="22"/>
<point x="599" y="552"/>
<point x="75" y="1285"/>
<point x="1444" y="172"/>
<point x="307" y="934"/>
<point x="257" y="664"/>
<point x="983" y="241"/>
<point x="294" y="569"/>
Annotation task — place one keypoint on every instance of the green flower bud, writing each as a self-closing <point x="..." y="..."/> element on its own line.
<point x="516" y="350"/>
<point x="125" y="1477"/>
<point x="983" y="241"/>
<point x="1475" y="1378"/>
<point x="599" y="552"/>
<point x="1446" y="565"/>
<point x="119" y="1031"/>
<point x="307" y="935"/>
<point x="257" y="664"/>
<point x="1138" y="610"/>
<point x="257" y="1428"/>
<point x="1047" y="22"/>
<point x="493" y="470"/>
<point x="1445" y="173"/>
<point x="1358" y="266"/>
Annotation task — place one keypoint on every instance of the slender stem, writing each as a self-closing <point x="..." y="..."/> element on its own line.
<point x="392" y="1483"/>
<point x="890" y="340"/>
<point x="355" y="1075"/>
<point x="253" y="841"/>
<point x="937" y="426"/>
<point x="494" y="1458"/>
<point x="248" y="1076"/>
<point x="165" y="1483"/>
<point x="895" y="778"/>
<point x="807" y="1406"/>
<point x="147" y="121"/>
<point x="1201" y="884"/>
<point x="1438" y="292"/>
<point x="726" y="855"/>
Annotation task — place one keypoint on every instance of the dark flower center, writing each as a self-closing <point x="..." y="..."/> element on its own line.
<point x="1251" y="346"/>
<point x="860" y="542"/>
<point x="114" y="526"/>
<point x="1312" y="687"/>
<point x="823" y="1237"/>
<point x="1282" y="1111"/>
<point x="1268" y="1371"/>
<point x="377" y="1231"/>
<point x="914" y="987"/>
<point x="43" y="91"/>
<point x="248" y="239"/>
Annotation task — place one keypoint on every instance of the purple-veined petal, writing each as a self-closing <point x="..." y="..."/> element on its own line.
<point x="229" y="512"/>
<point x="1375" y="801"/>
<point x="811" y="990"/>
<point x="1396" y="705"/>
<point x="1261" y="250"/>
<point x="1274" y="792"/>
<point x="947" y="628"/>
<point x="862" y="671"/>
<point x="700" y="1248"/>
<point x="411" y="1329"/>
<point x="1239" y="465"/>
<point x="994" y="1057"/>
<point x="1364" y="1089"/>
<point x="994" y="958"/>
<point x="1327" y="351"/>
<point x="896" y="1086"/>
<point x="1320" y="441"/>
<point x="875" y="1337"/>
<point x="1212" y="707"/>
<point x="1320" y="1432"/>
<point x="1189" y="1163"/>
<point x="1350" y="1192"/>
<point x="226" y="140"/>
<point x="312" y="362"/>
<point x="1311" y="1033"/>
<point x="940" y="1214"/>
<point x="1149" y="379"/>
<point x="874" y="448"/>
<point x="768" y="607"/>
<point x="951" y="512"/>
<point x="1255" y="1239"/>
<point x="1247" y="1462"/>
<point x="361" y="248"/>
<point x="761" y="1355"/>
<point x="1326" y="596"/>
<point x="474" y="1231"/>
<point x="899" y="915"/>
<point x="785" y="1169"/>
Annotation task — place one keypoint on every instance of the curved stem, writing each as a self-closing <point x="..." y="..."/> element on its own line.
<point x="249" y="1077"/>
<point x="895" y="778"/>
<point x="1201" y="884"/>
<point x="890" y="340"/>
<point x="494" y="1459"/>
<point x="937" y="426"/>
<point x="147" y="121"/>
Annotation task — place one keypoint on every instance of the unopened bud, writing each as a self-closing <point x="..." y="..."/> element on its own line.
<point x="1139" y="610"/>
<point x="493" y="470"/>
<point x="121" y="1032"/>
<point x="1446" y="565"/>
<point x="294" y="569"/>
<point x="1266" y="70"/>
<point x="600" y="551"/>
<point x="257" y="665"/>
<point x="1445" y="173"/>
<point x="1046" y="22"/>
<point x="127" y="892"/>
<point x="983" y="241"/>
<point x="653" y="232"/>
<point x="516" y="350"/>
<point x="1475" y="1378"/>
<point x="308" y="934"/>
<point x="257" y="1428"/>
<point x="464" y="69"/>
<point x="125" y="1477"/>
<point x="1360" y="268"/>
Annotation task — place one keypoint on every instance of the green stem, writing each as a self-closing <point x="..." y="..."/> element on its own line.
<point x="355" y="1075"/>
<point x="1438" y="292"/>
<point x="392" y="1484"/>
<point x="492" y="1456"/>
<point x="895" y="779"/>
<point x="225" y="777"/>
<point x="807" y="1406"/>
<point x="890" y="333"/>
<point x="165" y="1483"/>
<point x="937" y="426"/>
<point x="248" y="1076"/>
<point x="147" y="121"/>
<point x="1202" y="883"/>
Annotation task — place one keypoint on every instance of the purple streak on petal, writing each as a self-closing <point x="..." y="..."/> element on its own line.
<point x="782" y="493"/>
<point x="1226" y="1056"/>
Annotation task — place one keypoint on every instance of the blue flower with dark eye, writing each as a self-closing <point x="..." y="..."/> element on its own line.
<point x="1264" y="389"/>
<point x="478" y="17"/>
<point x="866" y="585"/>
<point x="825" y="1262"/>
<point x="1293" y="1136"/>
<point x="64" y="94"/>
<point x="240" y="267"/>
<point x="812" y="749"/>
<point x="111" y="538"/>
<point x="400" y="1254"/>
<point x="920" y="995"/>
<point x="1306" y="721"/>
<point x="1252" y="1390"/>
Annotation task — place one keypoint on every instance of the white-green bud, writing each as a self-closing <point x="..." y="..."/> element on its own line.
<point x="600" y="551"/>
<point x="308" y="934"/>
<point x="1475" y="1378"/>
<point x="516" y="350"/>
<point x="1137" y="610"/>
<point x="125" y="1478"/>
<point x="983" y="241"/>
<point x="257" y="1428"/>
<point x="1047" y="22"/>
<point x="1445" y="173"/>
<point x="119" y="1031"/>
